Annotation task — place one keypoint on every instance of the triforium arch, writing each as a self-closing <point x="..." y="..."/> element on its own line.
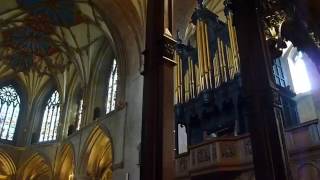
<point x="36" y="167"/>
<point x="96" y="156"/>
<point x="7" y="166"/>
<point x="65" y="163"/>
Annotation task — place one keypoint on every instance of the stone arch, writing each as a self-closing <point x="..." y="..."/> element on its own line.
<point x="36" y="167"/>
<point x="75" y="94"/>
<point x="39" y="102"/>
<point x="99" y="83"/>
<point x="127" y="33"/>
<point x="96" y="156"/>
<point x="65" y="162"/>
<point x="308" y="171"/>
<point x="7" y="166"/>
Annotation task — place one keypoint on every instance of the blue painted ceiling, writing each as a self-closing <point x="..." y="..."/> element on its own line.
<point x="33" y="38"/>
<point x="59" y="12"/>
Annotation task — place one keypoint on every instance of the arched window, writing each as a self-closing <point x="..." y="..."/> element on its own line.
<point x="112" y="88"/>
<point x="9" y="111"/>
<point x="278" y="73"/>
<point x="50" y="120"/>
<point x="79" y="114"/>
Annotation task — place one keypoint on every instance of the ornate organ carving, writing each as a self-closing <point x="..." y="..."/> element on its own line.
<point x="213" y="62"/>
<point x="208" y="90"/>
<point x="207" y="81"/>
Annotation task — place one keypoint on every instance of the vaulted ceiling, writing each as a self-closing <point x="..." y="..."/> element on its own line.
<point x="65" y="40"/>
<point x="183" y="11"/>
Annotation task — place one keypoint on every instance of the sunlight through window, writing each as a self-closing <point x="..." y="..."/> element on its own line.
<point x="50" y="122"/>
<point x="112" y="88"/>
<point x="9" y="112"/>
<point x="299" y="73"/>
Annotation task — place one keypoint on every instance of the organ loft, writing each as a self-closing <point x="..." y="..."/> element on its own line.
<point x="159" y="89"/>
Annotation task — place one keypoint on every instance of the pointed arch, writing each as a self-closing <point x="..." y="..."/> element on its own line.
<point x="65" y="162"/>
<point x="36" y="167"/>
<point x="7" y="166"/>
<point x="97" y="155"/>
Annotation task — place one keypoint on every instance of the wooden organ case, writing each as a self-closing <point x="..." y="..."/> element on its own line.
<point x="209" y="101"/>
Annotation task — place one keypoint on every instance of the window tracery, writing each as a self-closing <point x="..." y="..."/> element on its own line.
<point x="278" y="73"/>
<point x="112" y="88"/>
<point x="9" y="111"/>
<point x="50" y="120"/>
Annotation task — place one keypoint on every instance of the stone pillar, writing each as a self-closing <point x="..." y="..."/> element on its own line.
<point x="157" y="155"/>
<point x="265" y="116"/>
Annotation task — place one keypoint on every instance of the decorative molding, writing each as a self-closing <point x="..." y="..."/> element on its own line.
<point x="228" y="150"/>
<point x="169" y="46"/>
<point x="203" y="154"/>
<point x="276" y="98"/>
<point x="274" y="16"/>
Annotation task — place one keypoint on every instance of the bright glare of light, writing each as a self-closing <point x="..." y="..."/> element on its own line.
<point x="299" y="74"/>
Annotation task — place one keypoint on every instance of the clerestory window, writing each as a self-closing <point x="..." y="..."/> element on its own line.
<point x="50" y="120"/>
<point x="79" y="114"/>
<point x="112" y="88"/>
<point x="9" y="111"/>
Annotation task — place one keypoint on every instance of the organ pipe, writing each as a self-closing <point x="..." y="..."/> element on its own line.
<point x="216" y="60"/>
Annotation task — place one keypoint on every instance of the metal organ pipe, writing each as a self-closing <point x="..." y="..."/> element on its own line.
<point x="217" y="59"/>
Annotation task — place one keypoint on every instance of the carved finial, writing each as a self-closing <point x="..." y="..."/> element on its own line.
<point x="200" y="4"/>
<point x="227" y="2"/>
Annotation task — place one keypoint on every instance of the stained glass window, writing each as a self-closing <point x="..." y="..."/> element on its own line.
<point x="50" y="120"/>
<point x="9" y="111"/>
<point x="112" y="88"/>
<point x="79" y="114"/>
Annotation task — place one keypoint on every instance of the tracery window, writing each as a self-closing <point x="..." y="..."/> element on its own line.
<point x="112" y="88"/>
<point x="278" y="73"/>
<point x="50" y="120"/>
<point x="9" y="111"/>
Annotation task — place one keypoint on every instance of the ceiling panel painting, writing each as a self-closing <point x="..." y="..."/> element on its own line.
<point x="48" y="35"/>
